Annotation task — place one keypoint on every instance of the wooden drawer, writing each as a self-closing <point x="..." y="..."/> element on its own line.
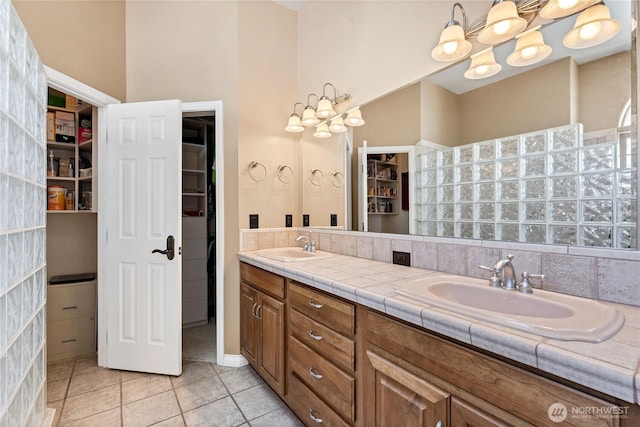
<point x="335" y="347"/>
<point x="71" y="301"/>
<point x="262" y="280"/>
<point x="332" y="312"/>
<point x="311" y="410"/>
<point x="329" y="382"/>
<point x="71" y="336"/>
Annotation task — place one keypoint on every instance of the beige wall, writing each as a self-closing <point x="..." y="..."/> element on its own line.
<point x="82" y="39"/>
<point x="439" y="114"/>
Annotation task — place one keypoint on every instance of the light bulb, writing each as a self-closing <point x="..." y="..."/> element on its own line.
<point x="500" y="28"/>
<point x="529" y="52"/>
<point x="450" y="47"/>
<point x="590" y="30"/>
<point x="567" y="4"/>
<point x="482" y="69"/>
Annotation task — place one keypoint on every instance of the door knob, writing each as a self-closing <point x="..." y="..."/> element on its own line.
<point x="169" y="252"/>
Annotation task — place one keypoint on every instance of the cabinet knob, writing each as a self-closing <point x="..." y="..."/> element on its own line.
<point x="439" y="424"/>
<point x="315" y="418"/>
<point x="314" y="336"/>
<point x="315" y="305"/>
<point x="314" y="374"/>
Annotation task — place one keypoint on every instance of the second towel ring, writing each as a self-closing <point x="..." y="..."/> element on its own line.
<point x="313" y="173"/>
<point x="337" y="179"/>
<point x="281" y="175"/>
<point x="254" y="165"/>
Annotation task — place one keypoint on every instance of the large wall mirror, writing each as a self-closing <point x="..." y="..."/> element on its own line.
<point x="593" y="89"/>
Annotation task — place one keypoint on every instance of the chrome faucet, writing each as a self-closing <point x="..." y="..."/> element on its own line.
<point x="505" y="268"/>
<point x="308" y="245"/>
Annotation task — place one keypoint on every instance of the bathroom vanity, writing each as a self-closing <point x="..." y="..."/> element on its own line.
<point x="356" y="353"/>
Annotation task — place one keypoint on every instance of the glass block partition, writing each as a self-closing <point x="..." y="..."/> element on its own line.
<point x="551" y="186"/>
<point x="23" y="92"/>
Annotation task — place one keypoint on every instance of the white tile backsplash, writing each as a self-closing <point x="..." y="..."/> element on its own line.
<point x="23" y="95"/>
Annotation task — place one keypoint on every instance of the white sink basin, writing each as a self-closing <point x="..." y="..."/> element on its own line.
<point x="548" y="314"/>
<point x="292" y="254"/>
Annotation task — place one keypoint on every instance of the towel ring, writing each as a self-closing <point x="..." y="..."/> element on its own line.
<point x="281" y="175"/>
<point x="254" y="165"/>
<point x="312" y="174"/>
<point x="337" y="182"/>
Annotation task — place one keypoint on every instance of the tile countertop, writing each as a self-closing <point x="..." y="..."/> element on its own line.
<point x="611" y="367"/>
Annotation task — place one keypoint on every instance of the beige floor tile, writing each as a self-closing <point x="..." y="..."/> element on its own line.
<point x="57" y="390"/>
<point x="110" y="418"/>
<point x="171" y="422"/>
<point x="93" y="379"/>
<point x="58" y="407"/>
<point x="220" y="413"/>
<point x="257" y="401"/>
<point x="192" y="372"/>
<point x="282" y="417"/>
<point x="200" y="393"/>
<point x="84" y="363"/>
<point x="151" y="410"/>
<point x="85" y="405"/>
<point x="131" y="375"/>
<point x="238" y="379"/>
<point x="146" y="386"/>
<point x="59" y="370"/>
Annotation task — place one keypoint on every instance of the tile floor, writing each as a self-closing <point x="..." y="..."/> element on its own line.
<point x="84" y="394"/>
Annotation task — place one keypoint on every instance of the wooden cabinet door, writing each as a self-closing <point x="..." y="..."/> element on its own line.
<point x="466" y="415"/>
<point x="403" y="399"/>
<point x="249" y="331"/>
<point x="271" y="342"/>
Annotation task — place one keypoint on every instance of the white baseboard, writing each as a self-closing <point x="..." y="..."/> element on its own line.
<point x="234" y="360"/>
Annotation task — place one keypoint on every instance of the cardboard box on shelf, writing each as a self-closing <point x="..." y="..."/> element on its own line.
<point x="71" y="101"/>
<point x="65" y="127"/>
<point x="51" y="126"/>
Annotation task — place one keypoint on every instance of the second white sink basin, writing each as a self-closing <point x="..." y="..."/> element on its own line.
<point x="292" y="254"/>
<point x="548" y="314"/>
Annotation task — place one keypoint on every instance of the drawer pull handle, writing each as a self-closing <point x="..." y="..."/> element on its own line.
<point x="314" y="374"/>
<point x="71" y="307"/>
<point x="315" y="305"/>
<point x="68" y="341"/>
<point x="314" y="418"/>
<point x="314" y="336"/>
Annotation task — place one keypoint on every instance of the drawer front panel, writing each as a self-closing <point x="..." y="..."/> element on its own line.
<point x="311" y="410"/>
<point x="262" y="280"/>
<point x="334" y="313"/>
<point x="71" y="301"/>
<point x="332" y="345"/>
<point x="329" y="382"/>
<point x="68" y="336"/>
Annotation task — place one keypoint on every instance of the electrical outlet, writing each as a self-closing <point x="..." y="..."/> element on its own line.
<point x="334" y="220"/>
<point x="305" y="220"/>
<point x="288" y="220"/>
<point x="253" y="220"/>
<point x="402" y="258"/>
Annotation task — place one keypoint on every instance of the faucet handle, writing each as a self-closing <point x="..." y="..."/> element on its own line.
<point x="525" y="286"/>
<point x="484" y="267"/>
<point x="494" y="280"/>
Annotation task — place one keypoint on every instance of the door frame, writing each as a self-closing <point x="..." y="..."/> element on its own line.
<point x="100" y="100"/>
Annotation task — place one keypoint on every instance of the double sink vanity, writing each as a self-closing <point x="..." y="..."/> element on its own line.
<point x="351" y="341"/>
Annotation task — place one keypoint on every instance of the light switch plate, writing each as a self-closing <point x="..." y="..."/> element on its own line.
<point x="253" y="220"/>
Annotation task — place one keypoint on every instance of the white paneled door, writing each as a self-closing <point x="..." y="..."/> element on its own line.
<point x="144" y="237"/>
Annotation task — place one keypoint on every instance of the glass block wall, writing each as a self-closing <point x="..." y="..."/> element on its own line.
<point x="23" y="94"/>
<point x="551" y="186"/>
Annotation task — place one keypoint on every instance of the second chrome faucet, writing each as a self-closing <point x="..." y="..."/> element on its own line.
<point x="309" y="246"/>
<point x="503" y="275"/>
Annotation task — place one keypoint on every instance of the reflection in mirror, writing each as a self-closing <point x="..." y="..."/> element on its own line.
<point x="592" y="90"/>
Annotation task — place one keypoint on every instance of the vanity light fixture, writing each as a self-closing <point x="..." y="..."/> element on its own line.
<point x="325" y="105"/>
<point x="483" y="65"/>
<point x="337" y="125"/>
<point x="309" y="114"/>
<point x="530" y="49"/>
<point x="354" y="117"/>
<point x="555" y="9"/>
<point x="294" y="121"/>
<point x="453" y="44"/>
<point x="503" y="23"/>
<point x="594" y="26"/>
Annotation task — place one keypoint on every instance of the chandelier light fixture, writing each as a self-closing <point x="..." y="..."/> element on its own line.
<point x="324" y="118"/>
<point x="508" y="19"/>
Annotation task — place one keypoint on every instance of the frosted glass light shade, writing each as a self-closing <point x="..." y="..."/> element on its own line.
<point x="337" y="125"/>
<point x="503" y="23"/>
<point x="294" y="124"/>
<point x="594" y="26"/>
<point x="325" y="109"/>
<point x="322" y="131"/>
<point x="309" y="117"/>
<point x="452" y="45"/>
<point x="483" y="65"/>
<point x="354" y="118"/>
<point x="555" y="9"/>
<point x="530" y="49"/>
